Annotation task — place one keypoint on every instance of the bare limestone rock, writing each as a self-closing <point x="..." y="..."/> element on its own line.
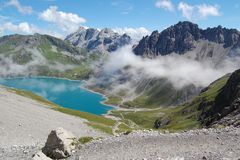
<point x="60" y="144"/>
<point x="40" y="156"/>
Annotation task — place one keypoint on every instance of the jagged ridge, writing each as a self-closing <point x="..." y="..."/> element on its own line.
<point x="104" y="40"/>
<point x="184" y="37"/>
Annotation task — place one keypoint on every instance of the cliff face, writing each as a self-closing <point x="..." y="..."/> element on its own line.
<point x="184" y="37"/>
<point x="226" y="107"/>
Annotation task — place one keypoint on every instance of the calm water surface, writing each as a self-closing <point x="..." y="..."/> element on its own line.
<point x="63" y="92"/>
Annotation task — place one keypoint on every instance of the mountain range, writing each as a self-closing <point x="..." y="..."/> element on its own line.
<point x="186" y="38"/>
<point x="82" y="55"/>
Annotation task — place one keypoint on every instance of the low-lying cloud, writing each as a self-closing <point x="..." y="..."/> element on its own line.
<point x="179" y="70"/>
<point x="135" y="33"/>
<point x="11" y="68"/>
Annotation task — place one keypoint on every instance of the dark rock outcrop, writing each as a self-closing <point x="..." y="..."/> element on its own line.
<point x="162" y="122"/>
<point x="60" y="144"/>
<point x="226" y="108"/>
<point x="184" y="37"/>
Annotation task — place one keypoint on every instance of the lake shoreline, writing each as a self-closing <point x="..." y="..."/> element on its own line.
<point x="100" y="100"/>
<point x="20" y="114"/>
<point x="47" y="77"/>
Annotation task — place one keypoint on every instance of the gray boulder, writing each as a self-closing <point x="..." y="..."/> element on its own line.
<point x="162" y="122"/>
<point x="60" y="144"/>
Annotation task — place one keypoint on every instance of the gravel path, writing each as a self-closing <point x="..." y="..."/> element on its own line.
<point x="25" y="123"/>
<point x="199" y="144"/>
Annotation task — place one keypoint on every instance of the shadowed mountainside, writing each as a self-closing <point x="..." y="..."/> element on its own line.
<point x="186" y="36"/>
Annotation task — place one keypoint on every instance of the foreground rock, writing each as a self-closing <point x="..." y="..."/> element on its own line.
<point x="60" y="144"/>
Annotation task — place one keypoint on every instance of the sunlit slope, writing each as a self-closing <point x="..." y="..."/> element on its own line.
<point x="187" y="116"/>
<point x="42" y="55"/>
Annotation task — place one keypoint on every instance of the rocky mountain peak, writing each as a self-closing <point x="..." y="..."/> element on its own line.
<point x="107" y="31"/>
<point x="94" y="40"/>
<point x="185" y="36"/>
<point x="81" y="28"/>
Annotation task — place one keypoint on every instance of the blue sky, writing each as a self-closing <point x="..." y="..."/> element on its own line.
<point x="61" y="17"/>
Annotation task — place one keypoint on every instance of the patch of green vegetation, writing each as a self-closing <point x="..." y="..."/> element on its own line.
<point x="113" y="100"/>
<point x="214" y="88"/>
<point x="158" y="93"/>
<point x="99" y="126"/>
<point x="79" y="72"/>
<point x="9" y="42"/>
<point x="32" y="96"/>
<point x="22" y="57"/>
<point x="84" y="140"/>
<point x="144" y="119"/>
<point x="181" y="117"/>
<point x="90" y="117"/>
<point x="5" y="48"/>
<point x="54" y="56"/>
<point x="206" y="98"/>
<point x="76" y="73"/>
<point x="123" y="128"/>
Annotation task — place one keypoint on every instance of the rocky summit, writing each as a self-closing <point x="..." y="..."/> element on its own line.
<point x="187" y="36"/>
<point x="103" y="41"/>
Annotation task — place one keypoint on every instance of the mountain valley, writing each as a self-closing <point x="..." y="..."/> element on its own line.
<point x="183" y="78"/>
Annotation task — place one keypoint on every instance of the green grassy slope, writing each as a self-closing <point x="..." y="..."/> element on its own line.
<point x="153" y="93"/>
<point x="181" y="117"/>
<point x="51" y="56"/>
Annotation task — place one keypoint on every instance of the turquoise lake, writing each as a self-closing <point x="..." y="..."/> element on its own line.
<point x="63" y="92"/>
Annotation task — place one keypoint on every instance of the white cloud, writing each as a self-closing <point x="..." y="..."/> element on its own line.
<point x="208" y="10"/>
<point x="165" y="4"/>
<point x="25" y="28"/>
<point x="135" y="33"/>
<point x="187" y="10"/>
<point x="67" y="22"/>
<point x="196" y="12"/>
<point x="22" y="9"/>
<point x="179" y="70"/>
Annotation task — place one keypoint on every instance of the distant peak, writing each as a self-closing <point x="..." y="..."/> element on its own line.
<point x="185" y="22"/>
<point x="104" y="40"/>
<point x="82" y="28"/>
<point x="106" y="30"/>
